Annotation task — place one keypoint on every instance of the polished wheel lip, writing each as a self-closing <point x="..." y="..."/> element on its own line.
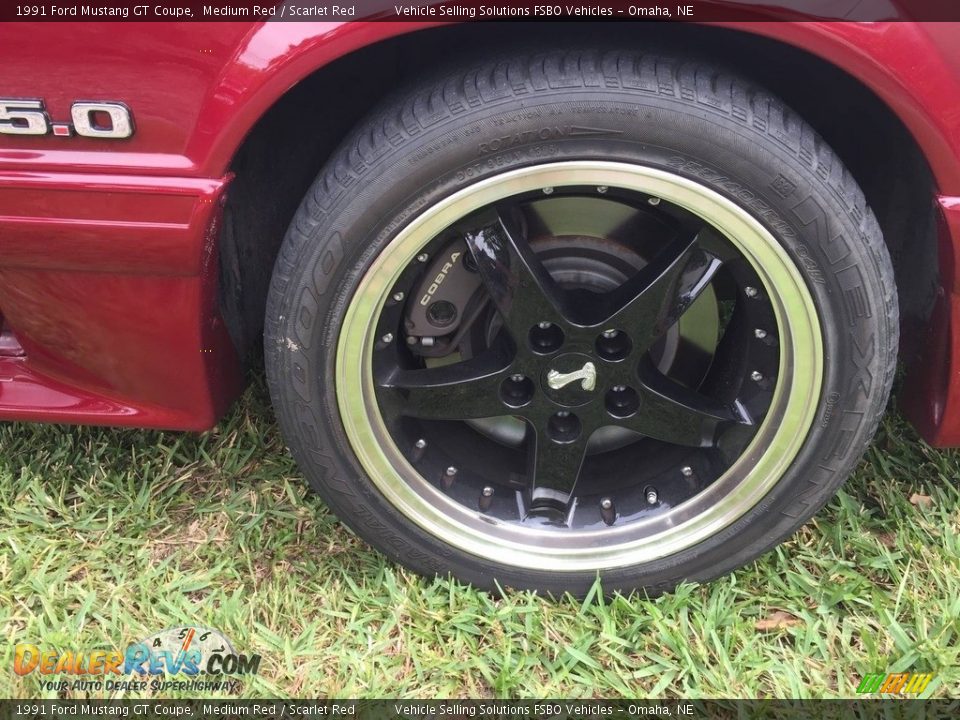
<point x="741" y="487"/>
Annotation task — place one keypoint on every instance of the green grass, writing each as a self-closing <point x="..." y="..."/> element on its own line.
<point x="107" y="536"/>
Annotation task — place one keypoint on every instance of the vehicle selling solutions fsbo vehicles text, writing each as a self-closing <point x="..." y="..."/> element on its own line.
<point x="583" y="11"/>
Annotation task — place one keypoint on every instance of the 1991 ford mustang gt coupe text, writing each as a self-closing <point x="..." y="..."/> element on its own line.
<point x="538" y="302"/>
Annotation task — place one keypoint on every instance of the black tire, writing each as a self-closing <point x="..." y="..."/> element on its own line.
<point x="685" y="117"/>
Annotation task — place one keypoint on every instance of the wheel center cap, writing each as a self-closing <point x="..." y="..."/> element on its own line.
<point x="587" y="375"/>
<point x="570" y="379"/>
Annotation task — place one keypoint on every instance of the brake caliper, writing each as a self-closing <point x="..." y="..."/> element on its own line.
<point x="436" y="310"/>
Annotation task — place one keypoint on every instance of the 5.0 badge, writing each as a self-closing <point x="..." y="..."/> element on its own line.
<point x="108" y="120"/>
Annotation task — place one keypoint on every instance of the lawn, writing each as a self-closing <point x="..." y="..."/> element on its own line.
<point x="107" y="536"/>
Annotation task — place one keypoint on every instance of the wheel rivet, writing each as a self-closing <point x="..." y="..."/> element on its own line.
<point x="423" y="257"/>
<point x="517" y="378"/>
<point x="419" y="448"/>
<point x="756" y="376"/>
<point x="609" y="334"/>
<point x="652" y="497"/>
<point x="543" y="325"/>
<point x="486" y="498"/>
<point x="411" y="340"/>
<point x="653" y="200"/>
<point x="602" y="189"/>
<point x="750" y="291"/>
<point x="686" y="471"/>
<point x="548" y="191"/>
<point x="760" y="333"/>
<point x="398" y="297"/>
<point x="388" y="338"/>
<point x="607" y="511"/>
<point x="448" y="477"/>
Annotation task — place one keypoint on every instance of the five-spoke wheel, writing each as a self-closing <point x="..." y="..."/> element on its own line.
<point x="632" y="355"/>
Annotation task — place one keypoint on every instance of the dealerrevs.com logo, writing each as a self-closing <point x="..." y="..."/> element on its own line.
<point x="184" y="653"/>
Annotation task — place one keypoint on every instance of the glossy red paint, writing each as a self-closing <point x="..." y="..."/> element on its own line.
<point x="107" y="223"/>
<point x="931" y="398"/>
<point x="109" y="284"/>
<point x="108" y="248"/>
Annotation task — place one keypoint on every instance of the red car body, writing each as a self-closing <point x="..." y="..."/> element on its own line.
<point x="108" y="249"/>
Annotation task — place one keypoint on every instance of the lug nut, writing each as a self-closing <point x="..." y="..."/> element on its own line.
<point x="686" y="471"/>
<point x="516" y="391"/>
<point x="612" y="344"/>
<point x="654" y="201"/>
<point x="423" y="257"/>
<point x="761" y="334"/>
<point x="388" y="338"/>
<point x="602" y="189"/>
<point x="621" y="401"/>
<point x="756" y="376"/>
<point x="563" y="427"/>
<point x="750" y="291"/>
<point x="652" y="497"/>
<point x="548" y="191"/>
<point x="545" y="337"/>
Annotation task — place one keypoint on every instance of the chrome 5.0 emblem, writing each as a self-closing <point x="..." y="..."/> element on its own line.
<point x="107" y="120"/>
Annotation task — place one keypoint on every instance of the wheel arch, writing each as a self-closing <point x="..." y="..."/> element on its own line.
<point x="901" y="156"/>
